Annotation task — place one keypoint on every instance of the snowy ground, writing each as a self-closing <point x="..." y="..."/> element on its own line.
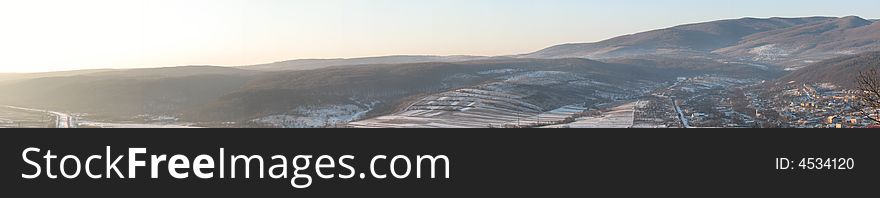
<point x="469" y="107"/>
<point x="506" y="103"/>
<point x="618" y="117"/>
<point x="133" y="125"/>
<point x="770" y="52"/>
<point x="557" y="115"/>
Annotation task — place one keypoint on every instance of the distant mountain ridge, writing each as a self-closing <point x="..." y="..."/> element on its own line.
<point x="690" y="38"/>
<point x="788" y="42"/>
<point x="5" y="77"/>
<point x="307" y="64"/>
<point x="759" y="40"/>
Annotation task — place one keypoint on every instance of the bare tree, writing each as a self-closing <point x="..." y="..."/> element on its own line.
<point x="869" y="92"/>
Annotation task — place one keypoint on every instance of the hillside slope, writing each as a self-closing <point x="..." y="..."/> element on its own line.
<point x="840" y="71"/>
<point x="801" y="45"/>
<point x="691" y="39"/>
<point x="124" y="93"/>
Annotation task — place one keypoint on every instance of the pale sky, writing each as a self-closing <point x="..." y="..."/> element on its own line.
<point x="51" y="35"/>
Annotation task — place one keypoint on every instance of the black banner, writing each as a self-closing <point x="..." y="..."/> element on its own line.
<point x="495" y="163"/>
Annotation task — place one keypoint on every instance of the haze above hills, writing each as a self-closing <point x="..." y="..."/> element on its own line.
<point x="787" y="42"/>
<point x="351" y="89"/>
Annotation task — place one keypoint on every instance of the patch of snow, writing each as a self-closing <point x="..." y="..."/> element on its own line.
<point x="770" y="52"/>
<point x="846" y="52"/>
<point x="316" y="116"/>
<point x="828" y="86"/>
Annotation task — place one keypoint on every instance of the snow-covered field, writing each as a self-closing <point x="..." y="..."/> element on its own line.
<point x="618" y="117"/>
<point x="770" y="52"/>
<point x="469" y="107"/>
<point x="65" y="120"/>
<point x="554" y="116"/>
<point x="133" y="125"/>
<point x="511" y="102"/>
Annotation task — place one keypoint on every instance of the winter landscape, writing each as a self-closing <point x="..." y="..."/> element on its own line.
<point x="749" y="72"/>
